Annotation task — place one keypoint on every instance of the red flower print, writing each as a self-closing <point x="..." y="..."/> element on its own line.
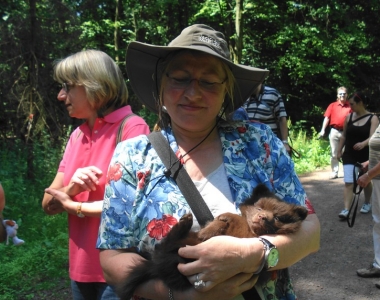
<point x="114" y="173"/>
<point x="267" y="149"/>
<point x="241" y="129"/>
<point x="273" y="275"/>
<point x="158" y="229"/>
<point x="141" y="176"/>
<point x="309" y="206"/>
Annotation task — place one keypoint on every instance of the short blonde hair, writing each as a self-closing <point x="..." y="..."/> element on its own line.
<point x="101" y="77"/>
<point x="341" y="88"/>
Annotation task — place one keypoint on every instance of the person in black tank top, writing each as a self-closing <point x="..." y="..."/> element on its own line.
<point x="353" y="148"/>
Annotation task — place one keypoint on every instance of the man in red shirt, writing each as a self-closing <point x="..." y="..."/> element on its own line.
<point x="334" y="116"/>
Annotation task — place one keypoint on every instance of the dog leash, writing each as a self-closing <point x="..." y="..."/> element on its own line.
<point x="355" y="201"/>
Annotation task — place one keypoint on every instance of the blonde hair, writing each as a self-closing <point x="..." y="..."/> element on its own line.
<point x="98" y="73"/>
<point x="228" y="104"/>
<point x="341" y="88"/>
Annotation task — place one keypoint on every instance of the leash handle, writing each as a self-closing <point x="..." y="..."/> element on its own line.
<point x="355" y="202"/>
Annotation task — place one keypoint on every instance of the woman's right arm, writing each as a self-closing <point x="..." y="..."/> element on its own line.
<point x="366" y="178"/>
<point x="116" y="265"/>
<point x="50" y="206"/>
<point x="84" y="179"/>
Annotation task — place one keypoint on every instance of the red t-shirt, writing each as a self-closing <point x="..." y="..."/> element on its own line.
<point x="337" y="113"/>
<point x="86" y="148"/>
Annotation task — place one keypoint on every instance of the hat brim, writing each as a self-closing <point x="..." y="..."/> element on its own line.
<point x="142" y="59"/>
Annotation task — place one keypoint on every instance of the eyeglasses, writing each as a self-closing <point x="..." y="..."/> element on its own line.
<point x="342" y="94"/>
<point x="66" y="87"/>
<point x="183" y="83"/>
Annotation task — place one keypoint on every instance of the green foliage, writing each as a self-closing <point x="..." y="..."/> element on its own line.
<point x="315" y="152"/>
<point x="149" y="117"/>
<point x="41" y="264"/>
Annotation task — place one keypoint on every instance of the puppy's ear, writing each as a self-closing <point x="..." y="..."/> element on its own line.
<point x="301" y="211"/>
<point x="260" y="191"/>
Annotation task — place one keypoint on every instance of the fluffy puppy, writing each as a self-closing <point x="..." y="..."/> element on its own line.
<point x="262" y="213"/>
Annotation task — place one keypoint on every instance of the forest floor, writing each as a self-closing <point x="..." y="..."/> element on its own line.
<point x="331" y="272"/>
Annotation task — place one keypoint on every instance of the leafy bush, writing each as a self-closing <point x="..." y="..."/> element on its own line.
<point x="28" y="271"/>
<point x="314" y="152"/>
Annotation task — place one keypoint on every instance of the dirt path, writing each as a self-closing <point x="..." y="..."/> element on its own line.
<point x="331" y="273"/>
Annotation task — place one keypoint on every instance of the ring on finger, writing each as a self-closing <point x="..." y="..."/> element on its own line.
<point x="199" y="283"/>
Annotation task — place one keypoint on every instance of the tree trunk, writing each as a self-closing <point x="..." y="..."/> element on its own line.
<point x="239" y="33"/>
<point x="32" y="85"/>
<point x="116" y="34"/>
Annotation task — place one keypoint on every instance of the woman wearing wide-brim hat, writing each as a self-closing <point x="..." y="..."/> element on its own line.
<point x="193" y="86"/>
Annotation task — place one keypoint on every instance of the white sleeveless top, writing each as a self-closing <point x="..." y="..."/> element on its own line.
<point x="216" y="192"/>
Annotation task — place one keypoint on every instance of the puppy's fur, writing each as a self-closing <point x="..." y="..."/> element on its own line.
<point x="262" y="213"/>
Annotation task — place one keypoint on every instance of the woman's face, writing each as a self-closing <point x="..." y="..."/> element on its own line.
<point x="355" y="106"/>
<point x="193" y="90"/>
<point x="76" y="102"/>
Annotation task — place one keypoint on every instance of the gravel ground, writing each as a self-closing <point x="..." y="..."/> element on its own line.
<point x="331" y="272"/>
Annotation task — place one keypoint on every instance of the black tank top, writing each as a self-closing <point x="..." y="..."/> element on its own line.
<point x="354" y="135"/>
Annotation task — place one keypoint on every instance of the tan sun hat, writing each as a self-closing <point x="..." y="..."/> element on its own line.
<point x="142" y="63"/>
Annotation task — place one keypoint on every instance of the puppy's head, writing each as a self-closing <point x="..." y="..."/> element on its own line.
<point x="267" y="214"/>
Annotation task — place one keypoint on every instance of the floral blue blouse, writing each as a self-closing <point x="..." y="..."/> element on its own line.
<point x="141" y="204"/>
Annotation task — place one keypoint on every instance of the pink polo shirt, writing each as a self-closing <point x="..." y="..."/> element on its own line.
<point x="93" y="148"/>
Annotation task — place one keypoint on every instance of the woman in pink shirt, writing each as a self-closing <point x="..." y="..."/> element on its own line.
<point x="93" y="89"/>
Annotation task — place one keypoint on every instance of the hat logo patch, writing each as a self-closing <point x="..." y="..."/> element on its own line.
<point x="209" y="40"/>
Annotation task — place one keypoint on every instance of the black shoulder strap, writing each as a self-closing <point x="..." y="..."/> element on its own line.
<point x="362" y="117"/>
<point x="180" y="176"/>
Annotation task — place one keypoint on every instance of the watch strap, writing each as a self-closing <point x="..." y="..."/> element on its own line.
<point x="79" y="210"/>
<point x="268" y="246"/>
<point x="264" y="260"/>
<point x="270" y="249"/>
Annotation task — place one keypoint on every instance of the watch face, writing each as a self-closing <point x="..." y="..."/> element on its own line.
<point x="272" y="258"/>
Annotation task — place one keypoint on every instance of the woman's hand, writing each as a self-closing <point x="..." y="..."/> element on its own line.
<point x="60" y="201"/>
<point x="84" y="179"/>
<point x="223" y="260"/>
<point x="227" y="290"/>
<point x="339" y="155"/>
<point x="364" y="180"/>
<point x="359" y="146"/>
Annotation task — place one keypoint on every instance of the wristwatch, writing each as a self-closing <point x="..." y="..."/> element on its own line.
<point x="79" y="210"/>
<point x="271" y="254"/>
